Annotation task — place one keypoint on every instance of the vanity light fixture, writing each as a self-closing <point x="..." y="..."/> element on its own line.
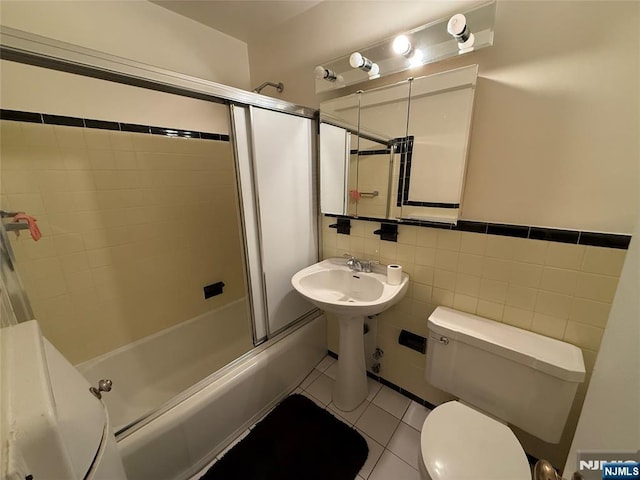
<point x="402" y="45"/>
<point x="326" y="74"/>
<point x="458" y="28"/>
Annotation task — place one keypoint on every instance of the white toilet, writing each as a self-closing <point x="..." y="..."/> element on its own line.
<point x="51" y="425"/>
<point x="501" y="375"/>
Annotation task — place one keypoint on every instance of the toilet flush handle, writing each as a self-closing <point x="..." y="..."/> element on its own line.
<point x="443" y="340"/>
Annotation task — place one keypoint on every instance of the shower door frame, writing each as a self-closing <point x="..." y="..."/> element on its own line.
<point x="31" y="49"/>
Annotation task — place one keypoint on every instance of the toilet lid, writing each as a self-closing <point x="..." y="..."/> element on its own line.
<point x="458" y="442"/>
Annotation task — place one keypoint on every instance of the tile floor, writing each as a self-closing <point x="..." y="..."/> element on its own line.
<point x="389" y="422"/>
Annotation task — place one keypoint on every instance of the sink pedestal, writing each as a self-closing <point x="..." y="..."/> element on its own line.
<point x="350" y="389"/>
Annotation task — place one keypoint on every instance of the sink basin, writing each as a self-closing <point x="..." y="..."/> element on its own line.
<point x="331" y="286"/>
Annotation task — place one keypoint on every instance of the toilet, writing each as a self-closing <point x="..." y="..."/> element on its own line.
<point x="501" y="375"/>
<point x="51" y="425"/>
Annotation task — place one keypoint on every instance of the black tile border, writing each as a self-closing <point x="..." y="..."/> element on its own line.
<point x="45" y="118"/>
<point x="574" y="237"/>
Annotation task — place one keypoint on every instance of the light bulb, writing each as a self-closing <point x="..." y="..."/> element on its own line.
<point x="417" y="59"/>
<point x="325" y="74"/>
<point x="375" y="71"/>
<point x="356" y="60"/>
<point x="402" y="45"/>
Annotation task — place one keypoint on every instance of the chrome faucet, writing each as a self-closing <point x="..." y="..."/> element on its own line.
<point x="358" y="265"/>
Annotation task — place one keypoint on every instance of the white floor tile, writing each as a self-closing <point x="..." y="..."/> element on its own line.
<point x="313" y="399"/>
<point x="332" y="370"/>
<point x="375" y="450"/>
<point x="405" y="443"/>
<point x="378" y="424"/>
<point x="321" y="388"/>
<point x="315" y="373"/>
<point x="325" y="363"/>
<point x="415" y="415"/>
<point x="390" y="467"/>
<point x="391" y="401"/>
<point x="352" y="416"/>
<point x="374" y="387"/>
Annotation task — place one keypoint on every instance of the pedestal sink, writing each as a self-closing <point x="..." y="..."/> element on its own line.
<point x="352" y="295"/>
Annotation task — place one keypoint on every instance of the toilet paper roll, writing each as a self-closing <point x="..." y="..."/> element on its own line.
<point x="394" y="274"/>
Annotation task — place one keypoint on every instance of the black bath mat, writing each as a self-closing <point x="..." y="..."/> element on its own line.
<point x="297" y="440"/>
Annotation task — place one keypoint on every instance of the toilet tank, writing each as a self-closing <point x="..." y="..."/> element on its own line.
<point x="518" y="376"/>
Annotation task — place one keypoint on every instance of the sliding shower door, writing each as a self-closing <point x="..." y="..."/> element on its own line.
<point x="279" y="201"/>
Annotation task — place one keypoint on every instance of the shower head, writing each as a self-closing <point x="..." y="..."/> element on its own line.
<point x="278" y="86"/>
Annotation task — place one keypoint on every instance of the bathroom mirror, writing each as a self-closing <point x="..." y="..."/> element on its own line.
<point x="399" y="151"/>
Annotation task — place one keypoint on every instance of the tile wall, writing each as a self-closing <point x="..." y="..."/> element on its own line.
<point x="134" y="226"/>
<point x="555" y="289"/>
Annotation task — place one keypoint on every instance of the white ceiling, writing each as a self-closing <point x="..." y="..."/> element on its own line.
<point x="245" y="20"/>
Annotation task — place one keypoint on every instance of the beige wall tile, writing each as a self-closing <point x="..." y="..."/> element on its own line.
<point x="427" y="237"/>
<point x="521" y="297"/>
<point x="582" y="335"/>
<point x="496" y="269"/>
<point x="548" y="326"/>
<point x="473" y="243"/>
<point x="559" y="280"/>
<point x="493" y="290"/>
<point x="530" y="251"/>
<point x="500" y="247"/>
<point x="525" y="274"/>
<point x="518" y="317"/>
<point x="470" y="264"/>
<point x="446" y="260"/>
<point x="605" y="261"/>
<point x="490" y="310"/>
<point x="405" y="254"/>
<point x="564" y="255"/>
<point x="423" y="274"/>
<point x="448" y="240"/>
<point x="589" y="312"/>
<point x="468" y="284"/>
<point x="425" y="256"/>
<point x="69" y="136"/>
<point x="553" y="304"/>
<point x="407" y="234"/>
<point x="442" y="297"/>
<point x="444" y="279"/>
<point x="422" y="292"/>
<point x="596" y="287"/>
<point x="465" y="303"/>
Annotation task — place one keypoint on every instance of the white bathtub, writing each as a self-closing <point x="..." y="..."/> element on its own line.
<point x="178" y="441"/>
<point x="148" y="372"/>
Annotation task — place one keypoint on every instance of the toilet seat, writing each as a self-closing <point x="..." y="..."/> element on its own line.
<point x="458" y="443"/>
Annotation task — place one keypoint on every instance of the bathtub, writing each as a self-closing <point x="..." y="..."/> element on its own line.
<point x="182" y="436"/>
<point x="150" y="371"/>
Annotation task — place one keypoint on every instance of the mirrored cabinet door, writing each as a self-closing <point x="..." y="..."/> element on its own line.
<point x="434" y="164"/>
